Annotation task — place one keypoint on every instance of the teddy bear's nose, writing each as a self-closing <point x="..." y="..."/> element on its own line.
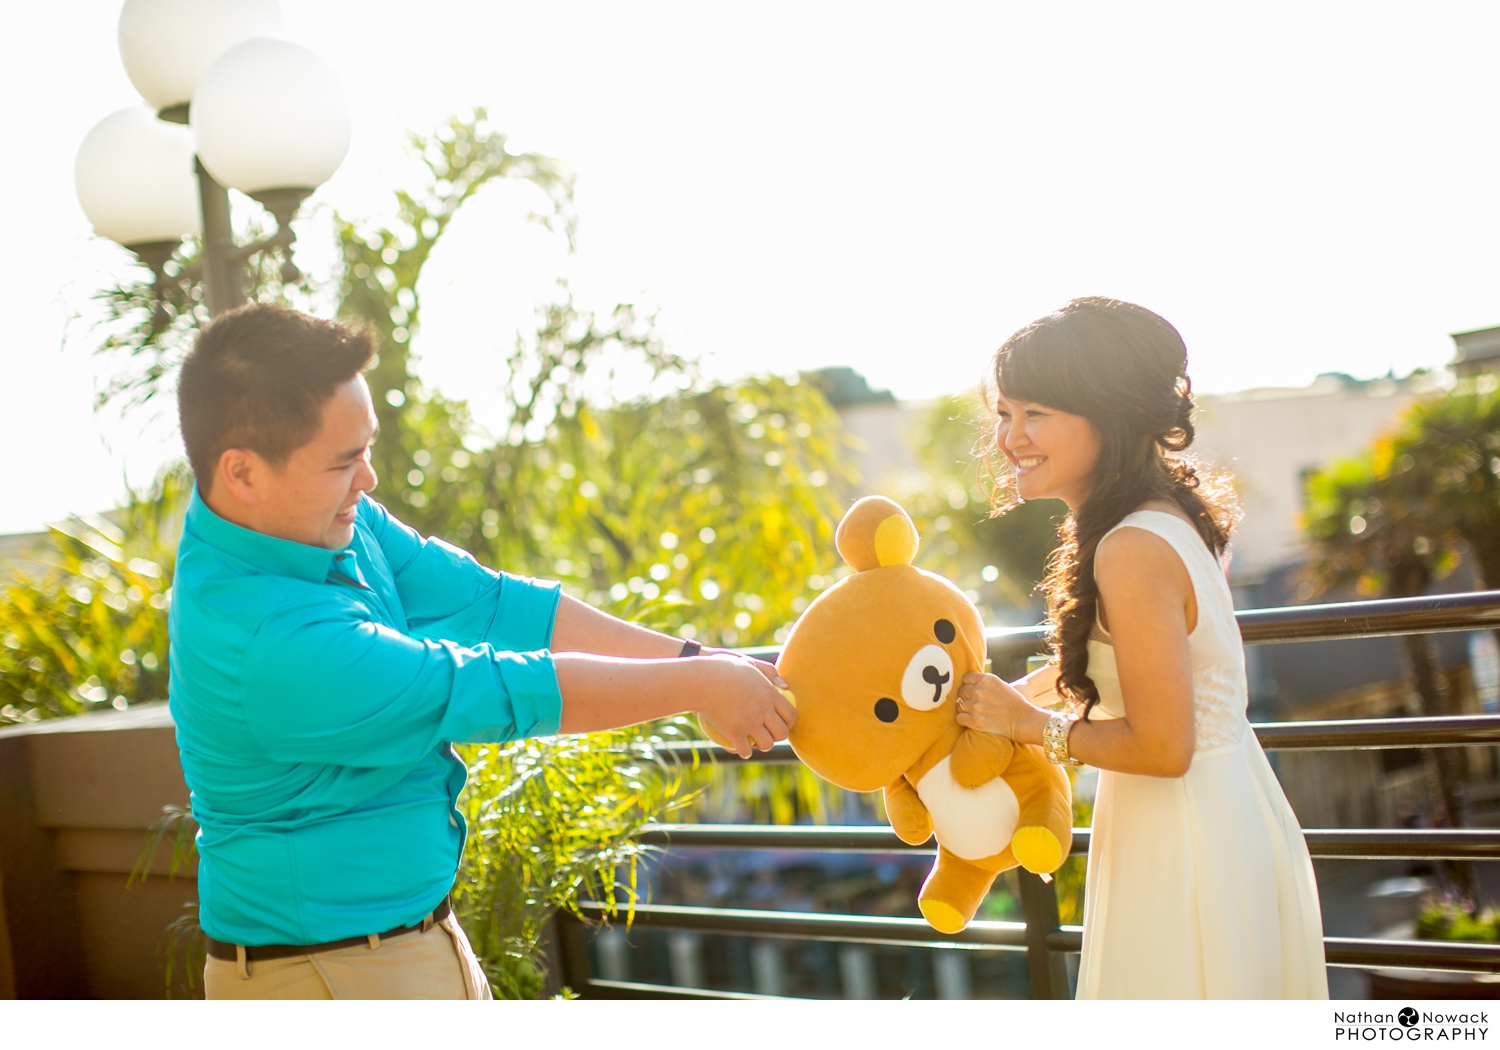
<point x="935" y="678"/>
<point x="928" y="678"/>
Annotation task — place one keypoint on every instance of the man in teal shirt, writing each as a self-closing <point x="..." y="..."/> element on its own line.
<point x="324" y="659"/>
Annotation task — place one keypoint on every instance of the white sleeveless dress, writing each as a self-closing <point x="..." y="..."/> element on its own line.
<point x="1199" y="887"/>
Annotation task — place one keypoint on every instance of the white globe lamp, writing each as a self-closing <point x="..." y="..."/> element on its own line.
<point x="135" y="181"/>
<point x="167" y="45"/>
<point x="267" y="117"/>
<point x="270" y="117"/>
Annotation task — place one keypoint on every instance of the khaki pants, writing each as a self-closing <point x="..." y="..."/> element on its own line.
<point x="438" y="964"/>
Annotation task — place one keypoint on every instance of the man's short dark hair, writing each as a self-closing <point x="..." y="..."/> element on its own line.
<point x="257" y="379"/>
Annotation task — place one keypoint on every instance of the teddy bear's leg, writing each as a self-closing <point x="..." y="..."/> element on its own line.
<point x="1037" y="849"/>
<point x="1044" y="829"/>
<point x="952" y="892"/>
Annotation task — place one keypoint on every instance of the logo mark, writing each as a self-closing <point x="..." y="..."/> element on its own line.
<point x="1407" y="1016"/>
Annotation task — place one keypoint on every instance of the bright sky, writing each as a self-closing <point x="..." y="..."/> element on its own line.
<point x="1299" y="187"/>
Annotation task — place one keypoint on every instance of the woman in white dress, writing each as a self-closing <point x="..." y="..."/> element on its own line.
<point x="1199" y="882"/>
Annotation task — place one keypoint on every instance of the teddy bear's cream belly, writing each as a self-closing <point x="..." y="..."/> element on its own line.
<point x="971" y="822"/>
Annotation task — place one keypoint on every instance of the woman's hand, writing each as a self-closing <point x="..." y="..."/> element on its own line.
<point x="992" y="705"/>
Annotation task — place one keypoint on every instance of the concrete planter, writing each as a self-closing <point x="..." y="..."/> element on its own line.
<point x="1432" y="984"/>
<point x="76" y="798"/>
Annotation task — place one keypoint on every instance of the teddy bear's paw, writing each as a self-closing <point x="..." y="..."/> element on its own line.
<point x="713" y="734"/>
<point x="944" y="918"/>
<point x="1037" y="850"/>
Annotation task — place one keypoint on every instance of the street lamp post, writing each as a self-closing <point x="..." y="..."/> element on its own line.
<point x="229" y="104"/>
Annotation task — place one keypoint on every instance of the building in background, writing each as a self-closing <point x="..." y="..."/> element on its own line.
<point x="880" y="426"/>
<point x="1478" y="351"/>
<point x="1270" y="439"/>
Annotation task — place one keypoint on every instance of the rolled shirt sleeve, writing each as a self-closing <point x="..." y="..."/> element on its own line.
<point x="343" y="689"/>
<point x="527" y="612"/>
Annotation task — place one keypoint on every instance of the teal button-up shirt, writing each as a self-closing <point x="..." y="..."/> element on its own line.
<point x="317" y="694"/>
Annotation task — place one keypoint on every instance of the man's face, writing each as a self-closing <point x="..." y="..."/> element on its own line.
<point x="312" y="498"/>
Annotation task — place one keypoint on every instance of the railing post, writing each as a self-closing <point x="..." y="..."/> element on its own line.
<point x="568" y="953"/>
<point x="1049" y="976"/>
<point x="552" y="952"/>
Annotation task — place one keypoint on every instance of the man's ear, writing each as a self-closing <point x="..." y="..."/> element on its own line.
<point x="240" y="474"/>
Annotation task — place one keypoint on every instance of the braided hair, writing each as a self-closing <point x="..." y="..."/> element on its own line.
<point x="1124" y="369"/>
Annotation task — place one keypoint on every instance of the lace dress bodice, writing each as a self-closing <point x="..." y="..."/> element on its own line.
<point x="1220" y="693"/>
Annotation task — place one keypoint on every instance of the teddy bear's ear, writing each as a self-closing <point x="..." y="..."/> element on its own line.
<point x="876" y="532"/>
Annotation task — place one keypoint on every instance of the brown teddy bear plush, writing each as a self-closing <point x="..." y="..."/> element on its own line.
<point x="874" y="664"/>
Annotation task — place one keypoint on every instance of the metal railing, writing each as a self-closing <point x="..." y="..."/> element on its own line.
<point x="1041" y="936"/>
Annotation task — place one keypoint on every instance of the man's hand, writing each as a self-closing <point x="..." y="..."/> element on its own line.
<point x="767" y="669"/>
<point x="743" y="702"/>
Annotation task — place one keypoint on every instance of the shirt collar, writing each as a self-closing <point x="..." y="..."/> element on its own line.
<point x="268" y="553"/>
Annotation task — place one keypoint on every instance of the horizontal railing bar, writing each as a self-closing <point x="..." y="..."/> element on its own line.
<point x="1343" y="735"/>
<point x="1382" y="618"/>
<point x="1345" y="843"/>
<point x="706" y="750"/>
<point x="1427" y="614"/>
<point x="1011" y="936"/>
<point x="1067" y="939"/>
<point x="1413" y="955"/>
<point x="1367" y="952"/>
<point x="599" y="988"/>
<point x="860" y="929"/>
<point x="847" y="838"/>
<point x="1411" y="843"/>
<point x="1379" y="733"/>
<point x="1002" y="642"/>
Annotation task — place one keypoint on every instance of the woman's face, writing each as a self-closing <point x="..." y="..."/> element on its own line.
<point x="1053" y="452"/>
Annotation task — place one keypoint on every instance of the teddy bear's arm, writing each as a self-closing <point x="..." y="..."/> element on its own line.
<point x="906" y="812"/>
<point x="979" y="758"/>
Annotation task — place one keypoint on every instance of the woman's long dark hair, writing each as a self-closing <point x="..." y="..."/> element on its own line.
<point x="1124" y="369"/>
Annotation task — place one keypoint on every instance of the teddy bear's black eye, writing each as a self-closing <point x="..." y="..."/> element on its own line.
<point x="944" y="631"/>
<point x="886" y="709"/>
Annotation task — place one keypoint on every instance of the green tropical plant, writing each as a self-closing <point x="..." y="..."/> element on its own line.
<point x="84" y="625"/>
<point x="1446" y="450"/>
<point x="1447" y="920"/>
<point x="182" y="942"/>
<point x="553" y="821"/>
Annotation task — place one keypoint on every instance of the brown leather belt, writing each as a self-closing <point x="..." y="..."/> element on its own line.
<point x="260" y="952"/>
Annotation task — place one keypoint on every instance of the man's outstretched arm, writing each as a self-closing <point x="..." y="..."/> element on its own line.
<point x="332" y="687"/>
<point x="604" y="692"/>
<point x="581" y="628"/>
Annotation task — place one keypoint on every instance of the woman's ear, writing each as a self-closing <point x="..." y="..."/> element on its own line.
<point x="875" y="533"/>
